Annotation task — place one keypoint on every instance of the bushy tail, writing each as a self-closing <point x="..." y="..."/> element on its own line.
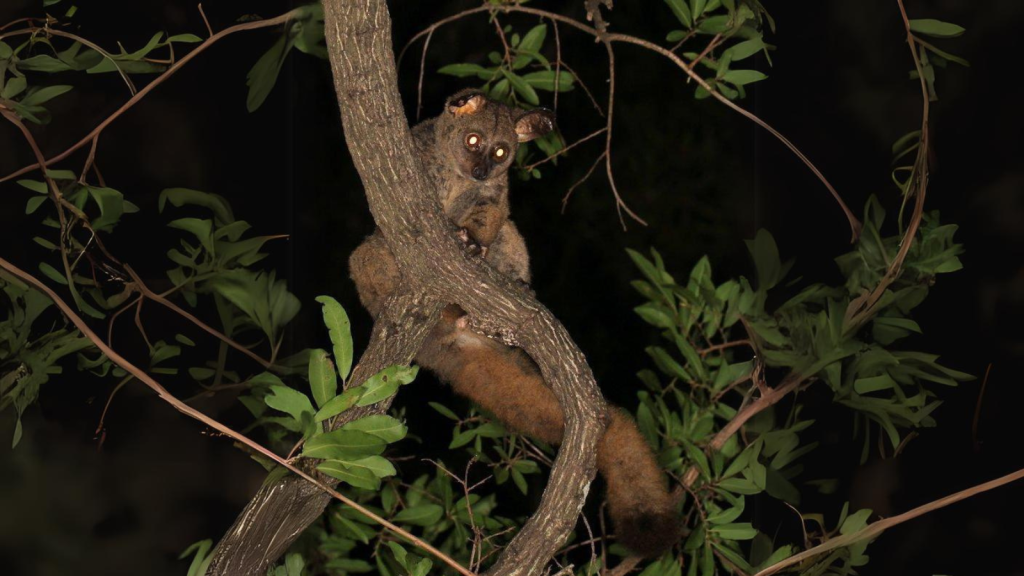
<point x="506" y="383"/>
<point x="642" y="509"/>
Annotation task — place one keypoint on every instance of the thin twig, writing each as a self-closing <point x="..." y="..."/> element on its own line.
<point x="33" y="30"/>
<point x="877" y="528"/>
<point x="419" y="87"/>
<point x="206" y="21"/>
<point x="977" y="410"/>
<point x="565" y="199"/>
<point x="145" y="291"/>
<point x="152" y="85"/>
<point x="567" y="148"/>
<point x="855" y="225"/>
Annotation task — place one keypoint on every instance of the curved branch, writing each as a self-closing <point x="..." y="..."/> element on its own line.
<point x="431" y="259"/>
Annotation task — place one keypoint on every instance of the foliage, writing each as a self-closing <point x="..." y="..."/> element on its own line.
<point x="727" y="346"/>
<point x="805" y="339"/>
<point x="726" y="21"/>
<point x="29" y="357"/>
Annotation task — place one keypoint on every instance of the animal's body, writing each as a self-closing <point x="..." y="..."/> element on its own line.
<point x="467" y="152"/>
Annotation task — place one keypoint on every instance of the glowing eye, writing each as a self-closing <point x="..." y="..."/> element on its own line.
<point x="499" y="153"/>
<point x="472" y="141"/>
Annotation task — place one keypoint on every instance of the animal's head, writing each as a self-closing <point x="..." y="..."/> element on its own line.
<point x="482" y="136"/>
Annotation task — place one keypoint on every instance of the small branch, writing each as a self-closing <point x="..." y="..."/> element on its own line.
<point x="209" y="29"/>
<point x="563" y="151"/>
<point x="977" y="410"/>
<point x="731" y="344"/>
<point x="33" y="30"/>
<point x="877" y="528"/>
<point x="145" y="291"/>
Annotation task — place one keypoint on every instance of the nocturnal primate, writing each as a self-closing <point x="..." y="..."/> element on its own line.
<point x="467" y="151"/>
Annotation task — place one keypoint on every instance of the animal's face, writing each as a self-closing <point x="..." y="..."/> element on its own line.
<point x="482" y="136"/>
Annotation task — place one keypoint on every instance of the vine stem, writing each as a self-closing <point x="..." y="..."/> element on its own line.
<point x="191" y="412"/>
<point x="156" y="82"/>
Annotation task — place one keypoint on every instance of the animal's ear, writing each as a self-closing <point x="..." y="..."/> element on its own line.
<point x="534" y="124"/>
<point x="466" y="102"/>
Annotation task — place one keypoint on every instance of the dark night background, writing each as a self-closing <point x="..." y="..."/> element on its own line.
<point x="703" y="177"/>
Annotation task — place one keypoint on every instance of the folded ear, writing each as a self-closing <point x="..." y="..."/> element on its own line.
<point x="466" y="102"/>
<point x="534" y="124"/>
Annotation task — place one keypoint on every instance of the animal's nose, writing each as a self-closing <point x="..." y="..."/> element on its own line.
<point x="479" y="172"/>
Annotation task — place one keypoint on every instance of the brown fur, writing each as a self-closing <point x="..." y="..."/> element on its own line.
<point x="503" y="380"/>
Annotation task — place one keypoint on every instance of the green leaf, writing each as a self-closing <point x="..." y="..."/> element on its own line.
<point x="339" y="404"/>
<point x="377" y="465"/>
<point x="343" y="444"/>
<point x="444" y="411"/>
<point x="873" y="384"/>
<point x="855" y="522"/>
<point x="386" y="428"/>
<point x="34" y="203"/>
<point x="545" y="80"/>
<point x="533" y="41"/>
<point x="743" y="77"/>
<point x="655" y="315"/>
<point x="185" y="38"/>
<point x="522" y="87"/>
<point x="740" y="531"/>
<point x="35" y="186"/>
<point x="340" y="330"/>
<point x="322" y="379"/>
<point x="422" y="568"/>
<point x="385" y="383"/>
<point x="42" y="63"/>
<point x="356" y="476"/>
<point x="936" y="28"/>
<point x="682" y="11"/>
<point x="746" y="49"/>
<point x="202" y="229"/>
<point x="421" y="515"/>
<point x="179" y="197"/>
<point x="263" y="75"/>
<point x="44" y="95"/>
<point x="52" y="273"/>
<point x="464" y="70"/>
<point x="289" y="401"/>
<point x="111" y="204"/>
<point x="13" y="87"/>
<point x="17" y="433"/>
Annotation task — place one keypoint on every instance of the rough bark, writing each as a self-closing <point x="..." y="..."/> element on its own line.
<point x="437" y="271"/>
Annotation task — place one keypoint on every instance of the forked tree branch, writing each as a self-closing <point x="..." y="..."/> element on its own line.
<point x="431" y="259"/>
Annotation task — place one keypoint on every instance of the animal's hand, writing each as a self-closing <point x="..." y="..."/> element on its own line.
<point x="525" y="286"/>
<point x="475" y="249"/>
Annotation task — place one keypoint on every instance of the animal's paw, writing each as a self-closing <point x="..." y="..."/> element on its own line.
<point x="475" y="249"/>
<point x="525" y="286"/>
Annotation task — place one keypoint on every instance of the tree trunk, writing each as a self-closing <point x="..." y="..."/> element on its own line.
<point x="437" y="271"/>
